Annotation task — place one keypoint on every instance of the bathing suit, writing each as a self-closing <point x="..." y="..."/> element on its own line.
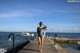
<point x="40" y="31"/>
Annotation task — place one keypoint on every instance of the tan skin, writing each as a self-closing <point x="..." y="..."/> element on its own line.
<point x="40" y="41"/>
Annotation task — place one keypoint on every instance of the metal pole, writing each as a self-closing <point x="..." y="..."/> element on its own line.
<point x="13" y="43"/>
<point x="13" y="40"/>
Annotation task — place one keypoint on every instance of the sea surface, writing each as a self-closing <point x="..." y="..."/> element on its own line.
<point x="71" y="48"/>
<point x="64" y="35"/>
<point x="6" y="44"/>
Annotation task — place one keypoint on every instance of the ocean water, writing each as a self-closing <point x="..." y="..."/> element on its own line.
<point x="6" y="44"/>
<point x="71" y="48"/>
<point x="64" y="35"/>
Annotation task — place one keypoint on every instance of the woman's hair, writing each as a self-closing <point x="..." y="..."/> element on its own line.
<point x="40" y="23"/>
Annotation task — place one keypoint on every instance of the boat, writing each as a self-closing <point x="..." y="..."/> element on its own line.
<point x="78" y="42"/>
<point x="78" y="45"/>
<point x="24" y="34"/>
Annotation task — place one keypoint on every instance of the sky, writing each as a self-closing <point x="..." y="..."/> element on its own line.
<point x="25" y="15"/>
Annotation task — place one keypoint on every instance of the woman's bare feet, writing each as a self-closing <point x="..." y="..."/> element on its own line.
<point x="40" y="51"/>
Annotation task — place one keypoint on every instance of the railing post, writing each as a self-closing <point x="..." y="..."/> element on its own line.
<point x="11" y="34"/>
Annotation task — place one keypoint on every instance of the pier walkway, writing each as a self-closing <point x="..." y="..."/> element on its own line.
<point x="32" y="47"/>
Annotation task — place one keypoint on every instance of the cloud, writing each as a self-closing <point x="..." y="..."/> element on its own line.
<point x="59" y="11"/>
<point x="36" y="10"/>
<point x="65" y="11"/>
<point x="20" y="13"/>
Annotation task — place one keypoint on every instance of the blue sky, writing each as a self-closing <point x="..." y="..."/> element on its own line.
<point x="24" y="15"/>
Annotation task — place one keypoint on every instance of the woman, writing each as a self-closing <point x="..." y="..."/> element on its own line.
<point x="40" y="33"/>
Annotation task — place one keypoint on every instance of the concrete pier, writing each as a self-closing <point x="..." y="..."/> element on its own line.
<point x="32" y="47"/>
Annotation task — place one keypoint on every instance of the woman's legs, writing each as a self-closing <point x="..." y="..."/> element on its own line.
<point x="42" y="40"/>
<point x="39" y="43"/>
<point x="38" y="40"/>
